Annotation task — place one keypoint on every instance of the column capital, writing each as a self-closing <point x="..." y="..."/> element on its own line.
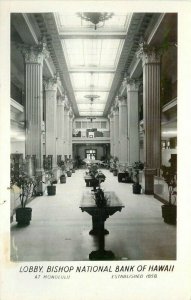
<point x="34" y="54"/>
<point x="110" y="115"/>
<point x="116" y="103"/>
<point x="71" y="113"/>
<point x="50" y="84"/>
<point x="66" y="104"/>
<point x="149" y="54"/>
<point x="122" y="101"/>
<point x="133" y="85"/>
<point x="124" y="82"/>
<point x="115" y="110"/>
<point x="60" y="100"/>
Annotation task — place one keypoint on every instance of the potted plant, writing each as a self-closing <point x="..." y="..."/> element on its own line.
<point x="51" y="188"/>
<point x="68" y="167"/>
<point x="136" y="167"/>
<point x="100" y="198"/>
<point x="73" y="163"/>
<point x="169" y="210"/>
<point x="115" y="166"/>
<point x="111" y="164"/>
<point x="97" y="176"/>
<point x="27" y="185"/>
<point x="63" y="175"/>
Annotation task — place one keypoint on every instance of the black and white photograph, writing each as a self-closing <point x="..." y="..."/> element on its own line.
<point x="94" y="157"/>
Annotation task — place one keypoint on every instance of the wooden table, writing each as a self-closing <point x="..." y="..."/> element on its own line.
<point x="99" y="216"/>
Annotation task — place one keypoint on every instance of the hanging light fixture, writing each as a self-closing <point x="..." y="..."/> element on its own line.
<point x="91" y="96"/>
<point x="96" y="18"/>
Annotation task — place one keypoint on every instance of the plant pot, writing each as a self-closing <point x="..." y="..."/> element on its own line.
<point x="136" y="188"/>
<point x="169" y="213"/>
<point x="122" y="177"/>
<point x="94" y="182"/>
<point x="69" y="173"/>
<point x="55" y="181"/>
<point x="51" y="189"/>
<point x="73" y="170"/>
<point x="114" y="172"/>
<point x="62" y="179"/>
<point x="23" y="215"/>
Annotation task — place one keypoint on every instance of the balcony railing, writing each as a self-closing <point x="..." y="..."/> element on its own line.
<point x="92" y="135"/>
<point x="92" y="138"/>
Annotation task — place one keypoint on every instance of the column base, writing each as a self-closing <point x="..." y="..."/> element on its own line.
<point x="97" y="231"/>
<point x="56" y="172"/>
<point x="148" y="180"/>
<point x="101" y="255"/>
<point x="42" y="185"/>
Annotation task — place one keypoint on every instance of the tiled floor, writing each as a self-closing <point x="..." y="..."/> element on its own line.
<point x="59" y="230"/>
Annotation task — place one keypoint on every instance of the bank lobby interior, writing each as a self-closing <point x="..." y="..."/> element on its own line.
<point x="85" y="87"/>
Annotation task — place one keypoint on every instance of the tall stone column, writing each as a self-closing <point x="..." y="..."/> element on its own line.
<point x="116" y="131"/>
<point x="33" y="58"/>
<point x="122" y="130"/>
<point x="66" y="129"/>
<point x="70" y="132"/>
<point x="60" y="126"/>
<point x="151" y="113"/>
<point x="111" y="134"/>
<point x="133" y="121"/>
<point x="50" y="120"/>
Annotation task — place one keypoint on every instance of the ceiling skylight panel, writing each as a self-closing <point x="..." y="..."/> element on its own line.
<point x="92" y="52"/>
<point x="95" y="80"/>
<point x="69" y="20"/>
<point x="81" y="96"/>
<point x="91" y="107"/>
<point x="73" y="49"/>
<point x="116" y="21"/>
